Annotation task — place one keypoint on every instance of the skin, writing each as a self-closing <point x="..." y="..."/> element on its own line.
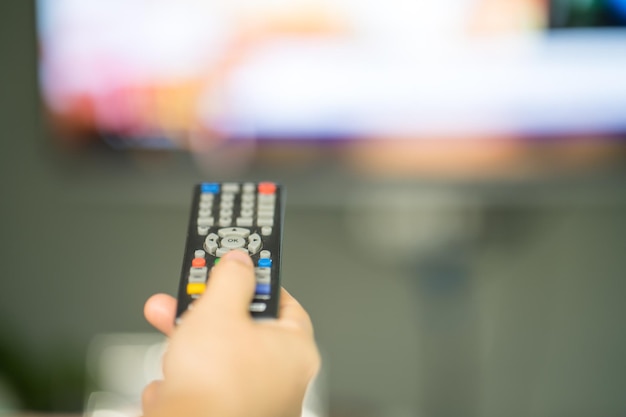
<point x="220" y="362"/>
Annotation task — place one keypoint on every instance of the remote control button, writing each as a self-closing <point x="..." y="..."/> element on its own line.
<point x="247" y="212"/>
<point x="233" y="242"/>
<point x="249" y="187"/>
<point x="265" y="213"/>
<point x="227" y="205"/>
<point x="206" y="198"/>
<point x="210" y="188"/>
<point x="265" y="221"/>
<point x="200" y="271"/>
<point x="225" y="221"/>
<point x="199" y="254"/>
<point x="205" y="221"/>
<point x="234" y="231"/>
<point x="254" y="243"/>
<point x="247" y="205"/>
<point x="265" y="263"/>
<point x="203" y="231"/>
<point x="267" y="188"/>
<point x="205" y="205"/>
<point x="204" y="213"/>
<point x="261" y="297"/>
<point x="201" y="279"/>
<point x="226" y="212"/>
<point x="199" y="262"/>
<point x="265" y="254"/>
<point x="263" y="279"/>
<point x="196" y="288"/>
<point x="266" y="230"/>
<point x="245" y="221"/>
<point x="211" y="243"/>
<point x="221" y="252"/>
<point x="247" y="198"/>
<point x="258" y="307"/>
<point x="267" y="198"/>
<point x="229" y="198"/>
<point x="263" y="289"/>
<point x="262" y="271"/>
<point x="230" y="187"/>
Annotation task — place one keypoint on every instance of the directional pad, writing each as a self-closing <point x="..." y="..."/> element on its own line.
<point x="230" y="238"/>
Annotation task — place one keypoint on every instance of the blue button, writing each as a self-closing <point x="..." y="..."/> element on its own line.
<point x="210" y="188"/>
<point x="265" y="262"/>
<point x="263" y="289"/>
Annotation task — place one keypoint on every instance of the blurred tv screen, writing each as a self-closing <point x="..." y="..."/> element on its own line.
<point x="163" y="73"/>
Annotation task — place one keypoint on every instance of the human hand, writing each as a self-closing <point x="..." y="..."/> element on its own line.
<point x="220" y="362"/>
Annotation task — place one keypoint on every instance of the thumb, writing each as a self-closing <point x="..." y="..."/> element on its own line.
<point x="230" y="287"/>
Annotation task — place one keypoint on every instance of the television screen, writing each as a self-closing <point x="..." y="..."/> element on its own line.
<point x="163" y="73"/>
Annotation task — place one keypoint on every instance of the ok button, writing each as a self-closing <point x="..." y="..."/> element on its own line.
<point x="233" y="242"/>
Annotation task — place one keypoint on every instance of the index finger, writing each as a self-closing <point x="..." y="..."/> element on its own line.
<point x="160" y="310"/>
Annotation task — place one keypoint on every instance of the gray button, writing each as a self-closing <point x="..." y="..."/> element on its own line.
<point x="198" y="274"/>
<point x="204" y="213"/>
<point x="265" y="221"/>
<point x="245" y="221"/>
<point x="197" y="279"/>
<point x="230" y="187"/>
<point x="226" y="205"/>
<point x="211" y="243"/>
<point x="262" y="296"/>
<point x="226" y="212"/>
<point x="222" y="251"/>
<point x="267" y="198"/>
<point x="207" y="197"/>
<point x="255" y="243"/>
<point x="205" y="205"/>
<point x="228" y="198"/>
<point x="233" y="242"/>
<point x="202" y="231"/>
<point x="258" y="307"/>
<point x="249" y="187"/>
<point x="225" y="221"/>
<point x="247" y="205"/>
<point x="247" y="198"/>
<point x="265" y="213"/>
<point x="266" y="230"/>
<point x="234" y="231"/>
<point x="199" y="254"/>
<point x="247" y="212"/>
<point x="262" y="271"/>
<point x="266" y="207"/>
<point x="205" y="221"/>
<point x="263" y="278"/>
<point x="265" y="254"/>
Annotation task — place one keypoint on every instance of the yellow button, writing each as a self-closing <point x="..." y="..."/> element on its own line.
<point x="195" y="288"/>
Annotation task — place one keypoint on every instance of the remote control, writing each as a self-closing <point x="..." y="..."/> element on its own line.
<point x="234" y="216"/>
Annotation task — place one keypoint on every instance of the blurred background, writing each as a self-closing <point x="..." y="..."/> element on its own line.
<point x="456" y="204"/>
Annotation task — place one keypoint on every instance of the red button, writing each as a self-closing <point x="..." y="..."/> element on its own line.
<point x="267" y="188"/>
<point x="198" y="262"/>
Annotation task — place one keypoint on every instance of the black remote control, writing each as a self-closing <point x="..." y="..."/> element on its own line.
<point x="229" y="216"/>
